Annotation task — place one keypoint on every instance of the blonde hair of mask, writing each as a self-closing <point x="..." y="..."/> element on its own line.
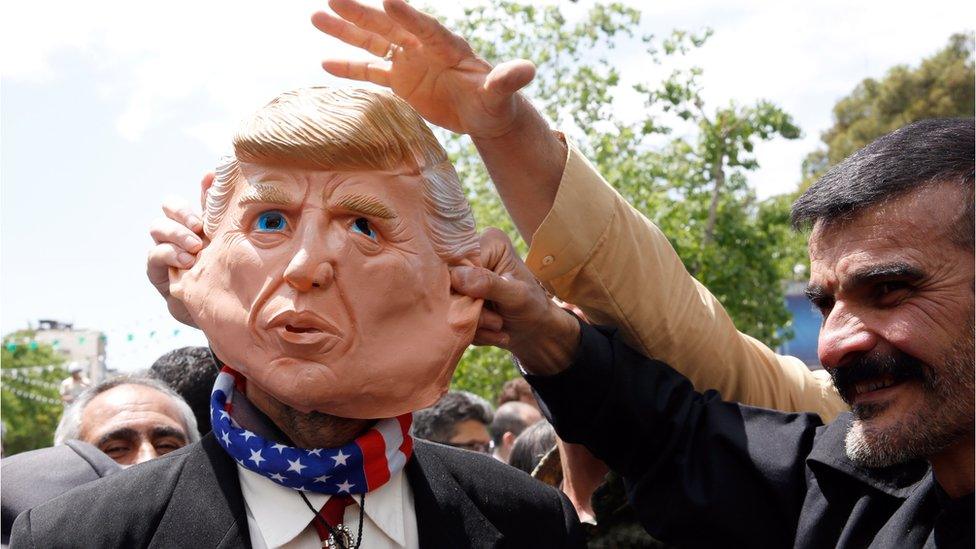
<point x="348" y="129"/>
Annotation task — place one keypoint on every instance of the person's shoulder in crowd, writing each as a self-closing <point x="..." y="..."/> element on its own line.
<point x="32" y="478"/>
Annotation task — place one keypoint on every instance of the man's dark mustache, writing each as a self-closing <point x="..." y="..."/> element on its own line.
<point x="900" y="366"/>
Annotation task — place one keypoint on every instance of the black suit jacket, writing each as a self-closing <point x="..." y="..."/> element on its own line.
<point x="192" y="498"/>
<point x="31" y="478"/>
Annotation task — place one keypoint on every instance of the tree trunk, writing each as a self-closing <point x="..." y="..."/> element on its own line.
<point x="718" y="175"/>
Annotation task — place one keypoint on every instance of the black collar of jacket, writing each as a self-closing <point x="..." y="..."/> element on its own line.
<point x="446" y="516"/>
<point x="829" y="456"/>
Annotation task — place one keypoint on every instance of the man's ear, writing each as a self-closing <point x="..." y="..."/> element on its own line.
<point x="508" y="439"/>
<point x="464" y="310"/>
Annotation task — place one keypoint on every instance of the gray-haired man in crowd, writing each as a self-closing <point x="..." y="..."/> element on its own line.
<point x="131" y="419"/>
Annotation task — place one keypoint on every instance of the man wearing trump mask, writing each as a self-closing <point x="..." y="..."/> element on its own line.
<point x="324" y="290"/>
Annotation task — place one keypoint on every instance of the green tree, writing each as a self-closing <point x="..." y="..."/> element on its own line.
<point x="31" y="406"/>
<point x="737" y="247"/>
<point x="941" y="86"/>
<point x="694" y="187"/>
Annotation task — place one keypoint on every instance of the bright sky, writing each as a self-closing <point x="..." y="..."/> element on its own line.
<point x="109" y="105"/>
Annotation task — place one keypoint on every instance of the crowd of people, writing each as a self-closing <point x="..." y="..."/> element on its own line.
<point x="133" y="418"/>
<point x="642" y="417"/>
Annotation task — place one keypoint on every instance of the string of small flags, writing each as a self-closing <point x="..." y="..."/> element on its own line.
<point x="34" y="381"/>
<point x="126" y="338"/>
<point x="30" y="396"/>
<point x="30" y="370"/>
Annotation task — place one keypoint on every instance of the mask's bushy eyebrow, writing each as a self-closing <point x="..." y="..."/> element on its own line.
<point x="265" y="194"/>
<point x="367" y="205"/>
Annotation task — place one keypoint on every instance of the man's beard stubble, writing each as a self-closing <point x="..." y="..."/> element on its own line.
<point x="308" y="430"/>
<point x="945" y="416"/>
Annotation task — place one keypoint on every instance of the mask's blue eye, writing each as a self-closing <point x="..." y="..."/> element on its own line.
<point x="271" y="222"/>
<point x="361" y="226"/>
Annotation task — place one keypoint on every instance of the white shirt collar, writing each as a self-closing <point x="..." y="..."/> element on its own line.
<point x="282" y="515"/>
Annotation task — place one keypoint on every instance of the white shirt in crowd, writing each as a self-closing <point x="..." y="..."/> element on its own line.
<point x="277" y="516"/>
<point x="70" y="389"/>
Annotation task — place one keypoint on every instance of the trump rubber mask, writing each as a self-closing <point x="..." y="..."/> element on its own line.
<point x="325" y="277"/>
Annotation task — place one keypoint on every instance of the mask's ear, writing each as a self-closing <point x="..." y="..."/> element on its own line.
<point x="464" y="310"/>
<point x="205" y="185"/>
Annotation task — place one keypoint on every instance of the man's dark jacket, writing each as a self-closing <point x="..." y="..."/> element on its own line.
<point x="31" y="478"/>
<point x="707" y="473"/>
<point x="192" y="498"/>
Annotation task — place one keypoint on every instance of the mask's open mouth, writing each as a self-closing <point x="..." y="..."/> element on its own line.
<point x="301" y="329"/>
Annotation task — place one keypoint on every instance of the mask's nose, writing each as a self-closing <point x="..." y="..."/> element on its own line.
<point x="311" y="266"/>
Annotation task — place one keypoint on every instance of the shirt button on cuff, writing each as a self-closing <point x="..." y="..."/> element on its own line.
<point x="548" y="260"/>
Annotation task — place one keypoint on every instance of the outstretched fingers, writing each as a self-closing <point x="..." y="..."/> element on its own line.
<point x="351" y="34"/>
<point x="427" y="30"/>
<point x="373" y="20"/>
<point x="377" y="72"/>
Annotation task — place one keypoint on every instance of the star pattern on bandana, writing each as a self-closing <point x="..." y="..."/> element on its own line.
<point x="356" y="467"/>
<point x="340" y="458"/>
<point x="296" y="466"/>
<point x="279" y="447"/>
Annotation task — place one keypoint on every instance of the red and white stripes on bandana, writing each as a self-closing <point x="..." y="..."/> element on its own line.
<point x="362" y="465"/>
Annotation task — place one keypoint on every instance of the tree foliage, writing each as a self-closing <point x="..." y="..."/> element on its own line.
<point x="29" y="423"/>
<point x="941" y="86"/>
<point x="679" y="161"/>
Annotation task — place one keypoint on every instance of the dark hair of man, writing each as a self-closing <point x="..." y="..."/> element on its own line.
<point x="190" y="371"/>
<point x="509" y="418"/>
<point x="922" y="153"/>
<point x="514" y="389"/>
<point x="437" y="423"/>
<point x="532" y="445"/>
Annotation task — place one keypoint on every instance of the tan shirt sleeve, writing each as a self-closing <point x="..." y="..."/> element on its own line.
<point x="594" y="250"/>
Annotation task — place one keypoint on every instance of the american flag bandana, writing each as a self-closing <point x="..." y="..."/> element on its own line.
<point x="362" y="465"/>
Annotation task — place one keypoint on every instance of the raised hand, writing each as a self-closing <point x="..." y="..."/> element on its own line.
<point x="433" y="69"/>
<point x="178" y="238"/>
